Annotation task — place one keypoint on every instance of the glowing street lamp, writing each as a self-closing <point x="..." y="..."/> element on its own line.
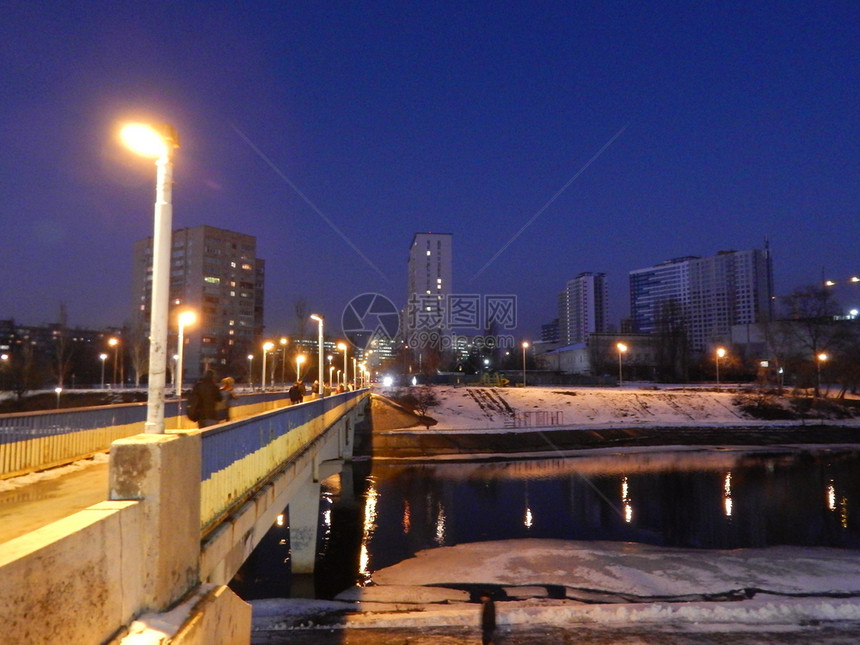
<point x="821" y="358"/>
<point x="103" y="358"/>
<point x="321" y="351"/>
<point x="525" y="347"/>
<point x="299" y="360"/>
<point x="342" y="347"/>
<point x="182" y="320"/>
<point x="113" y="342"/>
<point x="284" y="342"/>
<point x="59" y="391"/>
<point x="267" y="347"/>
<point x="158" y="143"/>
<point x="330" y="375"/>
<point x="251" y="372"/>
<point x="622" y="348"/>
<point x="720" y="353"/>
<point x="354" y="373"/>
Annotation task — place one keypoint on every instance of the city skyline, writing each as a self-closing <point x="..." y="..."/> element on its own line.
<point x="548" y="140"/>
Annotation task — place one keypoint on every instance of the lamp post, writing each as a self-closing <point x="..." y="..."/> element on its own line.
<point x="621" y="349"/>
<point x="525" y="347"/>
<point x="267" y="347"/>
<point x="251" y="372"/>
<point x="103" y="358"/>
<point x="299" y="360"/>
<point x="321" y="377"/>
<point x="184" y="318"/>
<point x="338" y="377"/>
<point x="59" y="391"/>
<point x="284" y="342"/>
<point x="354" y="373"/>
<point x="342" y="347"/>
<point x="720" y="353"/>
<point x="820" y="359"/>
<point x="158" y="143"/>
<point x="330" y="370"/>
<point x="114" y="343"/>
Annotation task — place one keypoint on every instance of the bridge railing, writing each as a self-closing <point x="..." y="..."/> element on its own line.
<point x="240" y="456"/>
<point x="37" y="440"/>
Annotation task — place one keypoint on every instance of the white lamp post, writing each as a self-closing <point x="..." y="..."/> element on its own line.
<point x="525" y="347"/>
<point x="183" y="319"/>
<point x="821" y="358"/>
<point x="342" y="347"/>
<point x="59" y="391"/>
<point x="103" y="358"/>
<point x="621" y="349"/>
<point x="720" y="353"/>
<point x="284" y="342"/>
<point x="354" y="373"/>
<point x="321" y="377"/>
<point x="113" y="342"/>
<point x="251" y="372"/>
<point x="158" y="143"/>
<point x="330" y="376"/>
<point x="267" y="347"/>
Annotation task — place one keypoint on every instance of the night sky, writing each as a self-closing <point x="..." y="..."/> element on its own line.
<point x="550" y="138"/>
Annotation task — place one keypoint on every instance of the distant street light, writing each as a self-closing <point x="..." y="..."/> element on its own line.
<point x="821" y="358"/>
<point x="342" y="347"/>
<point x="251" y="372"/>
<point x="182" y="320"/>
<point x="59" y="391"/>
<point x="103" y="358"/>
<point x="321" y="351"/>
<point x="299" y="360"/>
<point x="621" y="349"/>
<point x="354" y="373"/>
<point x="267" y="347"/>
<point x="330" y="376"/>
<point x="159" y="143"/>
<point x="113" y="342"/>
<point x="525" y="347"/>
<point x="284" y="342"/>
<point x="720" y="353"/>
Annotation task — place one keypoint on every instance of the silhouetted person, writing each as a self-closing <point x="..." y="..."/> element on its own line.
<point x="488" y="618"/>
<point x="297" y="393"/>
<point x="206" y="395"/>
<point x="225" y="398"/>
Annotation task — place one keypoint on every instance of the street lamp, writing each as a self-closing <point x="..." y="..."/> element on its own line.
<point x="342" y="347"/>
<point x="158" y="143"/>
<point x="720" y="353"/>
<point x="251" y="372"/>
<point x="525" y="347"/>
<point x="284" y="342"/>
<point x="103" y="358"/>
<point x="821" y="358"/>
<point x="113" y="342"/>
<point x="338" y="377"/>
<point x="621" y="349"/>
<point x="330" y="376"/>
<point x="267" y="347"/>
<point x="299" y="360"/>
<point x="320" y="385"/>
<point x="183" y="319"/>
<point x="354" y="373"/>
<point x="59" y="391"/>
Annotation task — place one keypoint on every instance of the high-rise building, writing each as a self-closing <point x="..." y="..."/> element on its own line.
<point x="583" y="308"/>
<point x="216" y="274"/>
<point x="430" y="281"/>
<point x="705" y="295"/>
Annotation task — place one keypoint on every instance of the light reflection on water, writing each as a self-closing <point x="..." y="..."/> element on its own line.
<point x="700" y="499"/>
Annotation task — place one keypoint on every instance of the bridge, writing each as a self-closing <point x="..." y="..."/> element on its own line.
<point x="183" y="510"/>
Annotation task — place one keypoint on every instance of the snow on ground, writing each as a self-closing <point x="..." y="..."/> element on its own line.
<point x="606" y="583"/>
<point x="487" y="407"/>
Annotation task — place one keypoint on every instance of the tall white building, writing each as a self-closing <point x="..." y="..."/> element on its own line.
<point x="583" y="308"/>
<point x="430" y="281"/>
<point x="216" y="274"/>
<point x="706" y="295"/>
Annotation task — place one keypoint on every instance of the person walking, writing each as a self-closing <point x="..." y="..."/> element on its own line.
<point x="297" y="393"/>
<point x="204" y="397"/>
<point x="225" y="398"/>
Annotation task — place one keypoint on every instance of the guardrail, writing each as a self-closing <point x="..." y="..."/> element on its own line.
<point x="238" y="457"/>
<point x="32" y="441"/>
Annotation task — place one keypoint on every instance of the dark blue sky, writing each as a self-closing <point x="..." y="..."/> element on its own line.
<point x="738" y="121"/>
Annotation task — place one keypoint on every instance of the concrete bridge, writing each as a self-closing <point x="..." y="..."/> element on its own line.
<point x="182" y="513"/>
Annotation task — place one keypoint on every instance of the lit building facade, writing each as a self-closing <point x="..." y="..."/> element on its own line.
<point x="216" y="274"/>
<point x="430" y="281"/>
<point x="705" y="295"/>
<point x="583" y="308"/>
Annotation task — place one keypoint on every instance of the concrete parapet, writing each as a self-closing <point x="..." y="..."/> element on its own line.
<point x="75" y="580"/>
<point x="162" y="471"/>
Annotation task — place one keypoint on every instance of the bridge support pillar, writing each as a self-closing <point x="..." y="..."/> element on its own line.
<point x="304" y="512"/>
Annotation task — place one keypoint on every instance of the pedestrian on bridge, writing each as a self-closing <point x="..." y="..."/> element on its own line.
<point x="225" y="398"/>
<point x="206" y="395"/>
